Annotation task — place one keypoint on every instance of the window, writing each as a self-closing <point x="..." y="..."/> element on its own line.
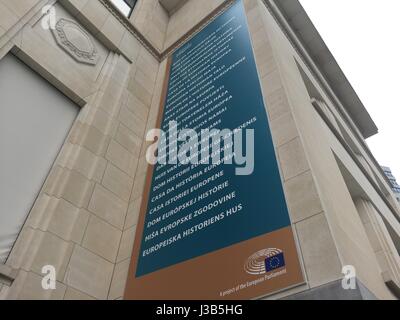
<point x="393" y="181"/>
<point x="125" y="6"/>
<point x="35" y="119"/>
<point x="383" y="239"/>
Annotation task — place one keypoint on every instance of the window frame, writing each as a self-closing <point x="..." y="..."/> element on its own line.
<point x="131" y="5"/>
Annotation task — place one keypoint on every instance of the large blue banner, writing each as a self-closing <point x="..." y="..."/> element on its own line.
<point x="197" y="209"/>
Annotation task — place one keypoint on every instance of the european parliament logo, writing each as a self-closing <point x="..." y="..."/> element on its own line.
<point x="274" y="262"/>
<point x="265" y="261"/>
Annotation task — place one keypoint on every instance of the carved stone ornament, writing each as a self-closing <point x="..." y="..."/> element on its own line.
<point x="75" y="41"/>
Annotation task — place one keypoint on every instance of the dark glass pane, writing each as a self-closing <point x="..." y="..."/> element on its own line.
<point x="130" y="3"/>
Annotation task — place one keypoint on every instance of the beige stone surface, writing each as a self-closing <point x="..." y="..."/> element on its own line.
<point x="70" y="185"/>
<point x="80" y="70"/>
<point x="121" y="158"/>
<point x="126" y="246"/>
<point x="319" y="251"/>
<point x="277" y="104"/>
<point x="254" y="19"/>
<point x="118" y="182"/>
<point x="20" y="8"/>
<point x="302" y="197"/>
<point x="263" y="53"/>
<point x="129" y="45"/>
<point x="89" y="137"/>
<point x="2" y="32"/>
<point x="283" y="130"/>
<point x="4" y="292"/>
<point x="78" y="4"/>
<point x="52" y="251"/>
<point x="55" y="65"/>
<point x="139" y="91"/>
<point x="136" y="106"/>
<point x="108" y="207"/>
<point x="21" y="249"/>
<point x="82" y="160"/>
<point x="119" y="280"/>
<point x="133" y="213"/>
<point x="102" y="239"/>
<point x="147" y="63"/>
<point x="99" y="118"/>
<point x="69" y="222"/>
<point x="28" y="286"/>
<point x="132" y="121"/>
<point x="138" y="187"/>
<point x="96" y="13"/>
<point x="113" y="30"/>
<point x="111" y="100"/>
<point x="292" y="158"/>
<point x="143" y="166"/>
<point x="151" y="20"/>
<point x="76" y="295"/>
<point x="7" y="17"/>
<point x="271" y="83"/>
<point x="129" y="140"/>
<point x="144" y="80"/>
<point x="89" y="273"/>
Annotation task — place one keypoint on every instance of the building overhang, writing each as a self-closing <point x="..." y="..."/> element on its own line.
<point x="305" y="31"/>
<point x="172" y="5"/>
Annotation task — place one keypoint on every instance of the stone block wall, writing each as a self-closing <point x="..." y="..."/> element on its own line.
<point x="84" y="219"/>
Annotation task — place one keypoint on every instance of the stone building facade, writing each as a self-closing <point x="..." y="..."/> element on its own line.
<point x="393" y="181"/>
<point x="83" y="221"/>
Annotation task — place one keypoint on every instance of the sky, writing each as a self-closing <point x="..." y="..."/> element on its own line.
<point x="364" y="37"/>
